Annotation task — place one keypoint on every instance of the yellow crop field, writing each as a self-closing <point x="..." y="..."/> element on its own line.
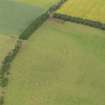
<point x="86" y="9"/>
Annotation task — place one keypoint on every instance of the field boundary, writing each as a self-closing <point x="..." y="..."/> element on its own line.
<point x="4" y="70"/>
<point x="34" y="26"/>
<point x="79" y="20"/>
<point x="40" y="20"/>
<point x="6" y="64"/>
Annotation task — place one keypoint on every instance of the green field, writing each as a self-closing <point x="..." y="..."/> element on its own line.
<point x="61" y="64"/>
<point x="15" y="17"/>
<point x="87" y="9"/>
<point x="39" y="3"/>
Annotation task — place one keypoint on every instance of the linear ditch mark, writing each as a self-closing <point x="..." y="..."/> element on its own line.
<point x="6" y="64"/>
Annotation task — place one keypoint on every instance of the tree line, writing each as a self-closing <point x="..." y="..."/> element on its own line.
<point x="79" y="20"/>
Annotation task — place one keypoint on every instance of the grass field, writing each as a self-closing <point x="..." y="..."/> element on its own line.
<point x="45" y="5"/>
<point x="61" y="64"/>
<point x="15" y="16"/>
<point x="87" y="9"/>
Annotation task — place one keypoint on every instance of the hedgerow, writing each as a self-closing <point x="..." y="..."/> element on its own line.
<point x="5" y="67"/>
<point x="80" y="21"/>
<point x="34" y="26"/>
<point x="40" y="20"/>
<point x="57" y="6"/>
<point x="4" y="72"/>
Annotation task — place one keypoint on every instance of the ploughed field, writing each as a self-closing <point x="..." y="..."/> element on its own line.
<point x="61" y="64"/>
<point x="86" y="9"/>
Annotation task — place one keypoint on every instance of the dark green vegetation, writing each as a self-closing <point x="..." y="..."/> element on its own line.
<point x="4" y="47"/>
<point x="79" y="20"/>
<point x="63" y="65"/>
<point x="34" y="26"/>
<point x="39" y="21"/>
